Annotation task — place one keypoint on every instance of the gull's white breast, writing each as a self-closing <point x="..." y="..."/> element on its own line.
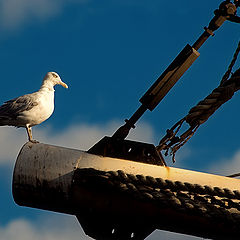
<point x="42" y="111"/>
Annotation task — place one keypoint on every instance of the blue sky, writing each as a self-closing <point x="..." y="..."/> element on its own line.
<point x="109" y="53"/>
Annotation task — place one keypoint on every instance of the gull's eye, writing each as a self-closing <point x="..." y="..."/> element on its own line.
<point x="54" y="75"/>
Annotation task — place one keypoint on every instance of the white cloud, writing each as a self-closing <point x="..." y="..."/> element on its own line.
<point x="84" y="136"/>
<point x="48" y="228"/>
<point x="14" y="13"/>
<point x="81" y="136"/>
<point x="226" y="166"/>
<point x="62" y="227"/>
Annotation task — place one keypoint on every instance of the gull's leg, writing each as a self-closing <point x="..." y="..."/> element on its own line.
<point x="29" y="132"/>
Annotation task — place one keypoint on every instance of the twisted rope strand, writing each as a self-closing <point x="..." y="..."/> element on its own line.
<point x="202" y="111"/>
<point x="213" y="203"/>
<point x="228" y="72"/>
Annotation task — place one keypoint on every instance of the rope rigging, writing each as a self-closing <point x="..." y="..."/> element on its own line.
<point x="202" y="111"/>
<point x="231" y="65"/>
<point x="212" y="202"/>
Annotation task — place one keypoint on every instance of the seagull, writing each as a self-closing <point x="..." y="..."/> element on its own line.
<point x="31" y="109"/>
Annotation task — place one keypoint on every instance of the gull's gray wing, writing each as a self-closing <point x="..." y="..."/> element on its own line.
<point x="12" y="108"/>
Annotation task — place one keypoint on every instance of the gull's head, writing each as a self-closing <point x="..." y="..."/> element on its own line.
<point x="54" y="79"/>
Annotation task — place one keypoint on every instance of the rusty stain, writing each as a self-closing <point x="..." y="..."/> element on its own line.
<point x="168" y="171"/>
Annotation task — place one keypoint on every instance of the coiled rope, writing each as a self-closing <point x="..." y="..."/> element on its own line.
<point x="213" y="203"/>
<point x="202" y="111"/>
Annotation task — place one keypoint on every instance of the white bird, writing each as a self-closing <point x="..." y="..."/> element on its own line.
<point x="31" y="109"/>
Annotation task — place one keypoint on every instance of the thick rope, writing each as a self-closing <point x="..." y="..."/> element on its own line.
<point x="202" y="111"/>
<point x="209" y="202"/>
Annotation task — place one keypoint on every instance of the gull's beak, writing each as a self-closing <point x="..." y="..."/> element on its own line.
<point x="63" y="84"/>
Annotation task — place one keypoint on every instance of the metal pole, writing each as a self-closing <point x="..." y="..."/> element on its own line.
<point x="226" y="11"/>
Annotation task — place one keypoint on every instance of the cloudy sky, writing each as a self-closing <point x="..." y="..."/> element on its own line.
<point x="109" y="53"/>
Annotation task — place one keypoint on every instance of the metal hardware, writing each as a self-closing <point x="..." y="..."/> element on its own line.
<point x="128" y="150"/>
<point x="226" y="11"/>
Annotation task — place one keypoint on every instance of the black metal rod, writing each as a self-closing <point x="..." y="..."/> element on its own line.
<point x="123" y="131"/>
<point x="227" y="11"/>
<point x="201" y="40"/>
<point x="134" y="118"/>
